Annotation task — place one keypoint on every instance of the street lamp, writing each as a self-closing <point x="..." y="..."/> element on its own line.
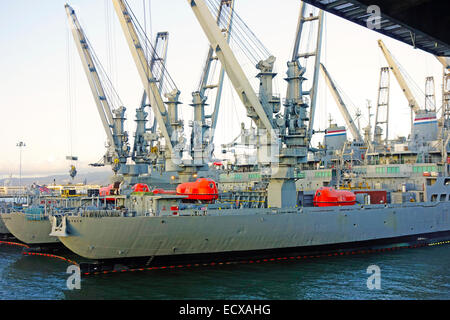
<point x="20" y="145"/>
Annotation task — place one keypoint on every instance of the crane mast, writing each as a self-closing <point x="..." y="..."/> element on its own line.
<point x="340" y="103"/>
<point x="295" y="68"/>
<point x="205" y="147"/>
<point x="382" y="111"/>
<point x="430" y="94"/>
<point x="145" y="136"/>
<point x="112" y="120"/>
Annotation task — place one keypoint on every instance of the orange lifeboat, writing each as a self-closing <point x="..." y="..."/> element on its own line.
<point x="330" y="197"/>
<point x="107" y="191"/>
<point x="202" y="189"/>
<point x="140" y="187"/>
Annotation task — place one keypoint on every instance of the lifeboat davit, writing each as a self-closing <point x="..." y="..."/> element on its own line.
<point x="330" y="197"/>
<point x="162" y="191"/>
<point x="203" y="189"/>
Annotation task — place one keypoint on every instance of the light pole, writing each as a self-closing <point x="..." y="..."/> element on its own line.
<point x="21" y="145"/>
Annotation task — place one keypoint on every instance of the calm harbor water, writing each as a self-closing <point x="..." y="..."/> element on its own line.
<point x="421" y="273"/>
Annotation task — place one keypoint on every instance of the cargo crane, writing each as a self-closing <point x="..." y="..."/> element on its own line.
<point x="423" y="122"/>
<point x="258" y="110"/>
<point x="413" y="104"/>
<point x="282" y="138"/>
<point x="167" y="119"/>
<point x="171" y="127"/>
<point x="112" y="118"/>
<point x="205" y="147"/>
<point x="147" y="136"/>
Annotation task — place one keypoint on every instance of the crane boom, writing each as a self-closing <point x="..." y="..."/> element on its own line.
<point x="118" y="149"/>
<point x="95" y="83"/>
<point x="398" y="75"/>
<point x="210" y="58"/>
<point x="445" y="61"/>
<point x="145" y="71"/>
<point x="341" y="105"/>
<point x="233" y="69"/>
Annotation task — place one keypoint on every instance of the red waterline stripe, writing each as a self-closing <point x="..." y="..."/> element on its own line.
<point x="265" y="260"/>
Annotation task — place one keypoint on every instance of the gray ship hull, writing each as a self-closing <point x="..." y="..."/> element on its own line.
<point x="31" y="232"/>
<point x="250" y="230"/>
<point x="3" y="229"/>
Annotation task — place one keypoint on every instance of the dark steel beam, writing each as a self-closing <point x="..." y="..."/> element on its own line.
<point x="428" y="19"/>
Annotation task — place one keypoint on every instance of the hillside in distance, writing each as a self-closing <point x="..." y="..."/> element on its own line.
<point x="97" y="178"/>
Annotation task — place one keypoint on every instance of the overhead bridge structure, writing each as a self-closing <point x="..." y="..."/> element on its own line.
<point x="422" y="24"/>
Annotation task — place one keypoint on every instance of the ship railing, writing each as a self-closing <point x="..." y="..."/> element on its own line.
<point x="35" y="216"/>
<point x="243" y="199"/>
<point x="103" y="213"/>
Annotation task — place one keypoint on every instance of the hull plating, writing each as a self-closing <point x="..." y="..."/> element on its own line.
<point x="250" y="230"/>
<point x="3" y="229"/>
<point x="28" y="231"/>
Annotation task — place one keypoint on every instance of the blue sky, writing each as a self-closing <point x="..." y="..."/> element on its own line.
<point x="36" y="48"/>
